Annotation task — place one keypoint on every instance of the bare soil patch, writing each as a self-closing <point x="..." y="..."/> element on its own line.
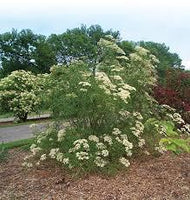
<point x="163" y="178"/>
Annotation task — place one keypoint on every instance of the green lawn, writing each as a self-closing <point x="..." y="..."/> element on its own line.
<point x="4" y="147"/>
<point x="18" y="143"/>
<point x="6" y="115"/>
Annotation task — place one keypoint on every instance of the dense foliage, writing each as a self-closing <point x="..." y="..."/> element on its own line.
<point x="78" y="44"/>
<point x="104" y="117"/>
<point x="25" y="50"/>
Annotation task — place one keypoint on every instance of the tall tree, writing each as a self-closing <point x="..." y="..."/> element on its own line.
<point x="25" y="50"/>
<point x="127" y="46"/>
<point x="79" y="43"/>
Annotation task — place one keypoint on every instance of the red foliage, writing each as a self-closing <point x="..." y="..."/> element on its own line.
<point x="176" y="91"/>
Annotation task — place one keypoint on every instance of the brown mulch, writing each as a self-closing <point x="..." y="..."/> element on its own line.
<point x="163" y="178"/>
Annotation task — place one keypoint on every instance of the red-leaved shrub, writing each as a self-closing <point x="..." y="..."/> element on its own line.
<point x="175" y="91"/>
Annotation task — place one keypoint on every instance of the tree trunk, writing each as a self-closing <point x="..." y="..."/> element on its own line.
<point x="23" y="117"/>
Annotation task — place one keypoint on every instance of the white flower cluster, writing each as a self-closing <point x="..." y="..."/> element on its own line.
<point x="104" y="152"/>
<point x="40" y="138"/>
<point x="123" y="139"/>
<point x="121" y="89"/>
<point x="142" y="51"/>
<point x="56" y="154"/>
<point x="43" y="157"/>
<point x="128" y="87"/>
<point x="124" y="161"/>
<point x="167" y="107"/>
<point x="106" y="82"/>
<point x="100" y="146"/>
<point x="85" y="86"/>
<point x="141" y="142"/>
<point x="135" y="57"/>
<point x="122" y="58"/>
<point x="60" y="135"/>
<point x="111" y="46"/>
<point x="34" y="149"/>
<point x="53" y="152"/>
<point x="117" y="78"/>
<point x="162" y="130"/>
<point x="100" y="162"/>
<point x="178" y="119"/>
<point x="93" y="138"/>
<point x="138" y="129"/>
<point x="60" y="158"/>
<point x="124" y="113"/>
<point x="27" y="164"/>
<point x="116" y="68"/>
<point x="161" y="149"/>
<point x="185" y="128"/>
<point x="80" y="143"/>
<point x="123" y="94"/>
<point x="82" y="155"/>
<point x="108" y="139"/>
<point x="137" y="115"/>
<point x="116" y="131"/>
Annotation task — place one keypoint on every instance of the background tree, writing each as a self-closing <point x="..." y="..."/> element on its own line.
<point x="25" y="50"/>
<point x="127" y="46"/>
<point x="79" y="44"/>
<point x="167" y="59"/>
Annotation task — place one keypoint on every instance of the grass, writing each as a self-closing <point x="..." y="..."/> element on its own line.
<point x="18" y="143"/>
<point x="4" y="147"/>
<point x="3" y="154"/>
<point x="6" y="115"/>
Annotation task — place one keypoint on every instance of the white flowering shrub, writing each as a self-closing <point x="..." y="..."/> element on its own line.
<point x="20" y="93"/>
<point x="106" y="116"/>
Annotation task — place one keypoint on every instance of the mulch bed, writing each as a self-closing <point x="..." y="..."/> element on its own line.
<point x="163" y="178"/>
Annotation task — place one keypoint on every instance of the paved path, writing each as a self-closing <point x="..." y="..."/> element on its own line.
<point x="13" y="133"/>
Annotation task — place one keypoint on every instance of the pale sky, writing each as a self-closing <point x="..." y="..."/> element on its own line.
<point x="165" y="21"/>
